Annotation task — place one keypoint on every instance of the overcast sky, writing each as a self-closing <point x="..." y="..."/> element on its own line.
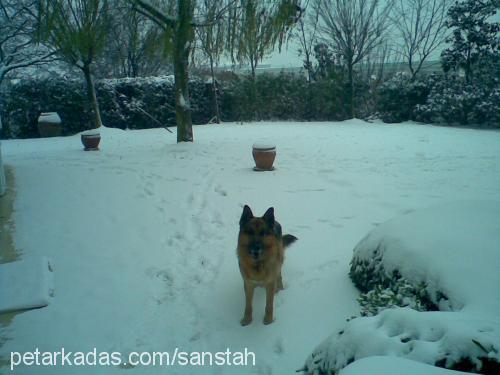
<point x="289" y="56"/>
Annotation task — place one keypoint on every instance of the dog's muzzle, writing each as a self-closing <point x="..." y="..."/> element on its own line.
<point x="256" y="249"/>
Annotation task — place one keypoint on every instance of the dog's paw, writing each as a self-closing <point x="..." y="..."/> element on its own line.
<point x="246" y="320"/>
<point x="268" y="319"/>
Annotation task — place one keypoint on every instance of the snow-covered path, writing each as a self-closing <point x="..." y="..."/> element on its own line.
<point x="142" y="234"/>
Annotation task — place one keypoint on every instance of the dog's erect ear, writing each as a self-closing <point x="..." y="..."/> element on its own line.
<point x="269" y="216"/>
<point x="246" y="215"/>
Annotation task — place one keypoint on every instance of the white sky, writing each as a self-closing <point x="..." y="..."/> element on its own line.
<point x="288" y="57"/>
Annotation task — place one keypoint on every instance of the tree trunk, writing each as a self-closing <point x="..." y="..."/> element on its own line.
<point x="92" y="97"/>
<point x="214" y="92"/>
<point x="253" y="90"/>
<point x="182" y="48"/>
<point x="350" y="93"/>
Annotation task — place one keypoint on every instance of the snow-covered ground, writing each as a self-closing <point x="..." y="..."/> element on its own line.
<point x="142" y="234"/>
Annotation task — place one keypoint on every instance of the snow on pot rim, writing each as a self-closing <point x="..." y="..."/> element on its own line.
<point x="49" y="117"/>
<point x="261" y="146"/>
<point x="91" y="133"/>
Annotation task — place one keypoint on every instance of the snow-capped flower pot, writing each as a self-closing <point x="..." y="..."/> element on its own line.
<point x="91" y="139"/>
<point x="49" y="124"/>
<point x="263" y="155"/>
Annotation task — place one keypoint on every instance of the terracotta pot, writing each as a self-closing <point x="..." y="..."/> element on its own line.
<point x="49" y="124"/>
<point x="263" y="155"/>
<point x="90" y="140"/>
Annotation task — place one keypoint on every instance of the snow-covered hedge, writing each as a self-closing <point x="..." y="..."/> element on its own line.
<point x="398" y="96"/>
<point x="123" y="103"/>
<point x="284" y="96"/>
<point x="446" y="339"/>
<point x="453" y="101"/>
<point x="439" y="99"/>
<point x="445" y="258"/>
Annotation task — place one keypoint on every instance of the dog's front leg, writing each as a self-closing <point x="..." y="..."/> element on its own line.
<point x="247" y="317"/>
<point x="270" y="289"/>
<point x="279" y="283"/>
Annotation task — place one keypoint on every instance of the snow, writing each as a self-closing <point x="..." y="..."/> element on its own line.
<point x="441" y="244"/>
<point x="50" y="117"/>
<point x="378" y="365"/>
<point x="262" y="146"/>
<point x="426" y="337"/>
<point x="152" y="80"/>
<point x="92" y="133"/>
<point x="453" y="249"/>
<point x="183" y="102"/>
<point x="142" y="233"/>
<point x="26" y="284"/>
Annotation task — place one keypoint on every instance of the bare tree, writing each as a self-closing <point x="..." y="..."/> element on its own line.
<point x="307" y="34"/>
<point x="179" y="23"/>
<point x="211" y="40"/>
<point x="353" y="29"/>
<point x="134" y="45"/>
<point x="18" y="47"/>
<point x="78" y="30"/>
<point x="422" y="26"/>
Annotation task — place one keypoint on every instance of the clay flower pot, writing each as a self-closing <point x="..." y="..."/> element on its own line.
<point x="91" y="139"/>
<point x="264" y="155"/>
<point x="49" y="124"/>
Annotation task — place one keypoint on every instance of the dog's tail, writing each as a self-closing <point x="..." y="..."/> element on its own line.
<point x="288" y="239"/>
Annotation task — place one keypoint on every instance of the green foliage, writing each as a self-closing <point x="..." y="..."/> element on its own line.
<point x="453" y="101"/>
<point x="25" y="100"/>
<point x="258" y="26"/>
<point x="382" y="290"/>
<point x="400" y="294"/>
<point x="281" y="97"/>
<point x="125" y="103"/>
<point x="78" y="29"/>
<point x="398" y="97"/>
<point x="474" y="36"/>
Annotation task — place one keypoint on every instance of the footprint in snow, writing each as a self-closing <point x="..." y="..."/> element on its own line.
<point x="279" y="346"/>
<point x="218" y="189"/>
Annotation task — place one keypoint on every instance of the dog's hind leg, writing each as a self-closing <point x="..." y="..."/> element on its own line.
<point x="270" y="290"/>
<point x="247" y="317"/>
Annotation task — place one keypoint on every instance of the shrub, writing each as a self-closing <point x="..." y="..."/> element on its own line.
<point x="285" y="96"/>
<point x="124" y="103"/>
<point x="454" y="102"/>
<point x="398" y="97"/>
<point x="381" y="290"/>
<point x="26" y="99"/>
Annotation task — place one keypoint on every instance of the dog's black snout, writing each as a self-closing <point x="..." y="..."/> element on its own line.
<point x="256" y="249"/>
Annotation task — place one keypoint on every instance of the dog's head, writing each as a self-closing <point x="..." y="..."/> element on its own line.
<point x="258" y="234"/>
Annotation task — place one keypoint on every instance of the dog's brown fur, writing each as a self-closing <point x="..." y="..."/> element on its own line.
<point x="261" y="248"/>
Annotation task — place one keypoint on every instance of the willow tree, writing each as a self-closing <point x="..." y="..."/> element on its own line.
<point x="260" y="26"/>
<point x="179" y="22"/>
<point x="78" y="30"/>
<point x="211" y="39"/>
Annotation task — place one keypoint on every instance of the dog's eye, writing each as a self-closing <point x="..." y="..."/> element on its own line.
<point x="264" y="232"/>
<point x="251" y="232"/>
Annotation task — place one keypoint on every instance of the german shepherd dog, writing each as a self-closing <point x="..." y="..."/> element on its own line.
<point x="261" y="253"/>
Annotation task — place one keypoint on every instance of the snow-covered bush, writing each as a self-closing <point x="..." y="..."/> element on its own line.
<point x="445" y="339"/>
<point x="382" y="289"/>
<point x="444" y="257"/>
<point x="25" y="99"/>
<point x="124" y="103"/>
<point x="398" y="96"/>
<point x="452" y="101"/>
<point x="400" y="294"/>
